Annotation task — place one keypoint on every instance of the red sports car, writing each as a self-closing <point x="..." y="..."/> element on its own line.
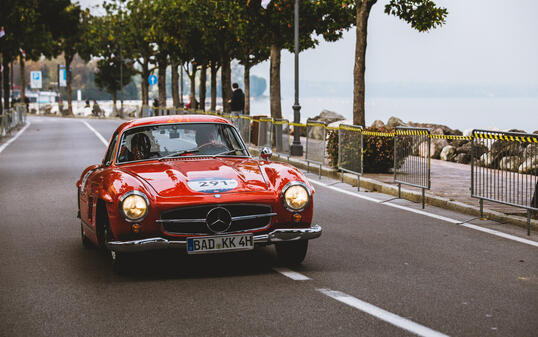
<point x="189" y="182"/>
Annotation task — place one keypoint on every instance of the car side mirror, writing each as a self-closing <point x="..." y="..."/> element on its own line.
<point x="266" y="153"/>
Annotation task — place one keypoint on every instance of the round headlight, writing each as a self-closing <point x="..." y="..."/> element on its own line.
<point x="296" y="197"/>
<point x="134" y="207"/>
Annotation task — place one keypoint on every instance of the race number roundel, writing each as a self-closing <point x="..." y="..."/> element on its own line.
<point x="212" y="185"/>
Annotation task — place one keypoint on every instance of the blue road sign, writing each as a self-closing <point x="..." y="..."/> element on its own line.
<point x="152" y="79"/>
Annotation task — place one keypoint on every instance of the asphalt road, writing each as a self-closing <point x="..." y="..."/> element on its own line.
<point x="377" y="270"/>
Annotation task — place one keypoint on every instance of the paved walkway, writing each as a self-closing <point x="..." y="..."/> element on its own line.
<point x="452" y="181"/>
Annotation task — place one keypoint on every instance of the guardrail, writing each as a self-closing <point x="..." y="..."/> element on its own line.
<point x="504" y="169"/>
<point x="492" y="178"/>
<point x="316" y="135"/>
<point x="350" y="150"/>
<point x="412" y="158"/>
<point x="12" y="118"/>
<point x="282" y="132"/>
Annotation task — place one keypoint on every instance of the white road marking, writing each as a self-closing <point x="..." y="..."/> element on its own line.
<point x="384" y="315"/>
<point x="3" y="146"/>
<point x="101" y="138"/>
<point x="431" y="215"/>
<point x="291" y="274"/>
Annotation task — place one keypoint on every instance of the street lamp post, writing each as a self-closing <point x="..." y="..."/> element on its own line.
<point x="296" y="148"/>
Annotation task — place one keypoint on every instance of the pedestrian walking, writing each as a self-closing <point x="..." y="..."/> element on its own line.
<point x="155" y="109"/>
<point x="96" y="110"/>
<point x="237" y="102"/>
<point x="87" y="103"/>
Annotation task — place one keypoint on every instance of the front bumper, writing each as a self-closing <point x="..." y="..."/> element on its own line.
<point x="278" y="235"/>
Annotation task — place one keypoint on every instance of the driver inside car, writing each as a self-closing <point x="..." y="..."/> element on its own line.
<point x="140" y="147"/>
<point x="208" y="141"/>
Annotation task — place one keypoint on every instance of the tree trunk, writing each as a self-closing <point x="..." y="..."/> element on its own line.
<point x="359" y="92"/>
<point x="114" y="100"/>
<point x="175" y="84"/>
<point x="68" y="77"/>
<point x="226" y="84"/>
<point x="181" y="103"/>
<point x="162" y="64"/>
<point x="23" y="78"/>
<point x="246" y="80"/>
<point x="145" y="84"/>
<point x="274" y="86"/>
<point x="192" y="78"/>
<point x="6" y="82"/>
<point x="202" y="90"/>
<point x="214" y="69"/>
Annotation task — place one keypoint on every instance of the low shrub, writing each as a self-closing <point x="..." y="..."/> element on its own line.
<point x="378" y="151"/>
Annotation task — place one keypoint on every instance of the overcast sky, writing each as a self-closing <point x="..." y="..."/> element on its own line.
<point x="483" y="42"/>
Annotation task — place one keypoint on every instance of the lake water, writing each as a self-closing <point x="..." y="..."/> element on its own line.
<point x="457" y="113"/>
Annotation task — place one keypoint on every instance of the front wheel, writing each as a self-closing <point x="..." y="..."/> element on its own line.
<point x="86" y="243"/>
<point x="291" y="253"/>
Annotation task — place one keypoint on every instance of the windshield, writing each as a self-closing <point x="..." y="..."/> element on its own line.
<point x="175" y="140"/>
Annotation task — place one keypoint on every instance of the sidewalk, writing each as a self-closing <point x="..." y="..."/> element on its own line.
<point x="450" y="189"/>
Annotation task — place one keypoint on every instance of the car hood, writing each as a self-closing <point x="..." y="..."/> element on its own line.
<point x="198" y="176"/>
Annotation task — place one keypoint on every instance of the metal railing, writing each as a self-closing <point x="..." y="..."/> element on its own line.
<point x="350" y="150"/>
<point x="504" y="169"/>
<point x="412" y="158"/>
<point x="12" y="118"/>
<point x="281" y="129"/>
<point x="315" y="143"/>
<point x="265" y="128"/>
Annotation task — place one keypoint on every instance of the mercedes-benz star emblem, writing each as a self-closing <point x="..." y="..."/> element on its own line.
<point x="218" y="220"/>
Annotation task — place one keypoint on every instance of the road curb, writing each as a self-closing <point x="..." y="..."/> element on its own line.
<point x="415" y="196"/>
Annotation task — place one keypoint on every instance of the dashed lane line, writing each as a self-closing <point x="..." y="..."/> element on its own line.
<point x="292" y="274"/>
<point x="350" y="300"/>
<point x="431" y="215"/>
<point x="382" y="314"/>
<point x="3" y="146"/>
<point x="101" y="138"/>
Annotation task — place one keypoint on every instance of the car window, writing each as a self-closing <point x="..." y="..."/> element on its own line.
<point x="187" y="139"/>
<point x="110" y="152"/>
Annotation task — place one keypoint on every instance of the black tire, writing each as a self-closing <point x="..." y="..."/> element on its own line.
<point x="86" y="243"/>
<point x="291" y="253"/>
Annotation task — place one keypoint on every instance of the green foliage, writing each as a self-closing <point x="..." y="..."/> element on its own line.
<point x="332" y="148"/>
<point x="108" y="76"/>
<point x="422" y="15"/>
<point x="378" y="152"/>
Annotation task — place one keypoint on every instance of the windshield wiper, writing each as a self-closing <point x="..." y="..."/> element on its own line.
<point x="177" y="154"/>
<point x="226" y="152"/>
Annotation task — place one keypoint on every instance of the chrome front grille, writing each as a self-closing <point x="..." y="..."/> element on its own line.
<point x="192" y="220"/>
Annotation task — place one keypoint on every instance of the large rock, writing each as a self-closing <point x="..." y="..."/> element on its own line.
<point x="328" y="117"/>
<point x="448" y="153"/>
<point x="468" y="146"/>
<point x="337" y="123"/>
<point x="486" y="160"/>
<point x="437" y="146"/>
<point x="530" y="150"/>
<point x="468" y="132"/>
<point x="378" y="124"/>
<point x="510" y="163"/>
<point x="529" y="165"/>
<point x="394" y="122"/>
<point x="438" y="131"/>
<point x="463" y="158"/>
<point x="446" y="129"/>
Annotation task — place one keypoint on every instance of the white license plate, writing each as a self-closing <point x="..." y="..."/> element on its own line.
<point x="221" y="243"/>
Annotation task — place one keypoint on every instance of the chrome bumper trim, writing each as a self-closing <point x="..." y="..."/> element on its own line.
<point x="278" y="235"/>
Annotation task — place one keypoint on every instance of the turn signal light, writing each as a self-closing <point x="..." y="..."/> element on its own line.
<point x="135" y="228"/>
<point x="297" y="217"/>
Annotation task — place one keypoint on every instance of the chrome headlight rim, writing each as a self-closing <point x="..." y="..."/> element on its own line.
<point x="283" y="196"/>
<point x="125" y="196"/>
